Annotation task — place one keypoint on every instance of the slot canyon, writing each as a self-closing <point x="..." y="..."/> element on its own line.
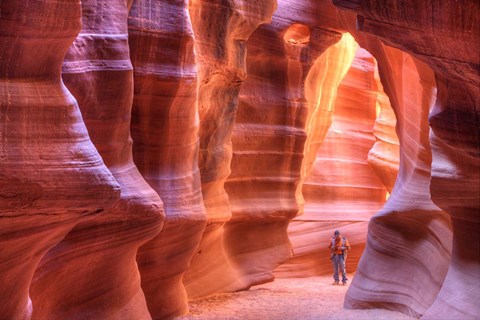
<point x="156" y="152"/>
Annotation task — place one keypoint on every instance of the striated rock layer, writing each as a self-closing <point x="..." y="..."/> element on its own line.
<point x="269" y="139"/>
<point x="422" y="253"/>
<point x="51" y="175"/>
<point x="384" y="155"/>
<point x="165" y="133"/>
<point x="414" y="226"/>
<point x="443" y="35"/>
<point x="221" y="53"/>
<point x="341" y="190"/>
<point x="97" y="70"/>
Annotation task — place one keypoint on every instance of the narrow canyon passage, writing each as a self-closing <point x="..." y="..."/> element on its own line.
<point x="161" y="157"/>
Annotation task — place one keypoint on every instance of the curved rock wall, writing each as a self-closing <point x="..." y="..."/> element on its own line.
<point x="165" y="133"/>
<point x="341" y="191"/>
<point x="41" y="131"/>
<point x="443" y="36"/>
<point x="413" y="225"/>
<point x="221" y="53"/>
<point x="269" y="139"/>
<point x="97" y="70"/>
<point x="57" y="195"/>
<point x="384" y="157"/>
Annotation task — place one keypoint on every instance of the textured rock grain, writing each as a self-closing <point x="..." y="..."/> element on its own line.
<point x="221" y="53"/>
<point x="341" y="191"/>
<point x="97" y="70"/>
<point x="269" y="138"/>
<point x="165" y="127"/>
<point x="50" y="173"/>
<point x="445" y="36"/>
<point x="410" y="227"/>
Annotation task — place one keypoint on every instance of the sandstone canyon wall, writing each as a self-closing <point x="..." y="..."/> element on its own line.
<point x="243" y="115"/>
<point x="221" y="52"/>
<point x="409" y="210"/>
<point x="270" y="134"/>
<point x="97" y="70"/>
<point x="444" y="36"/>
<point x="51" y="175"/>
<point x="341" y="190"/>
<point x="165" y="133"/>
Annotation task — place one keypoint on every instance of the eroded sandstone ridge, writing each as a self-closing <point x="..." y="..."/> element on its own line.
<point x="444" y="35"/>
<point x="341" y="190"/>
<point x="221" y="53"/>
<point x="51" y="175"/>
<point x="97" y="70"/>
<point x="243" y="115"/>
<point x="165" y="132"/>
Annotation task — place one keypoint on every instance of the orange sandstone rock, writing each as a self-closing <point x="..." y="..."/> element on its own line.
<point x="220" y="54"/>
<point x="269" y="138"/>
<point x="443" y="35"/>
<point x="409" y="227"/>
<point x="101" y="251"/>
<point x="51" y="176"/>
<point x="384" y="157"/>
<point x="165" y="135"/>
<point x="341" y="190"/>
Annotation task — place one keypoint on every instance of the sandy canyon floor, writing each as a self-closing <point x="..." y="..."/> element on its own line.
<point x="285" y="299"/>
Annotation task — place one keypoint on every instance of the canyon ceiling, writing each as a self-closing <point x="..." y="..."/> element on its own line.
<point x="153" y="152"/>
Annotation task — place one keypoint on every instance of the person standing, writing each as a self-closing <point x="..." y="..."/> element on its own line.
<point x="338" y="255"/>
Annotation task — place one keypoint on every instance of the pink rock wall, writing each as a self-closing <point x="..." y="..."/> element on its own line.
<point x="41" y="131"/>
<point x="341" y="190"/>
<point x="269" y="138"/>
<point x="98" y="71"/>
<point x="384" y="157"/>
<point x="409" y="220"/>
<point x="57" y="195"/>
<point x="220" y="52"/>
<point x="165" y="133"/>
<point x="447" y="44"/>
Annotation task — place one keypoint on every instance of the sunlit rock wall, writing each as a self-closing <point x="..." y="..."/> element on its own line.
<point x="51" y="176"/>
<point x="341" y="190"/>
<point x="97" y="70"/>
<point x="220" y="54"/>
<point x="443" y="36"/>
<point x="384" y="157"/>
<point x="410" y="226"/>
<point x="269" y="138"/>
<point x="165" y="127"/>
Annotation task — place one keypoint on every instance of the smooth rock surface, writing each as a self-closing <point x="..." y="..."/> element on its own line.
<point x="220" y="54"/>
<point x="216" y="94"/>
<point x="269" y="139"/>
<point x="444" y="36"/>
<point x="165" y="127"/>
<point x="51" y="175"/>
<point x="97" y="70"/>
<point x="341" y="191"/>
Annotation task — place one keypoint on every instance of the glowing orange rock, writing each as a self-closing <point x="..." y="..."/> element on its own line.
<point x="341" y="190"/>
<point x="443" y="36"/>
<point x="269" y="139"/>
<point x="165" y="135"/>
<point x="221" y="53"/>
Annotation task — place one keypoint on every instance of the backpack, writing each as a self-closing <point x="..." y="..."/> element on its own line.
<point x="344" y="252"/>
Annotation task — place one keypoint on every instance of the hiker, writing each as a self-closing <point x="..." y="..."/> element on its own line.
<point x="338" y="254"/>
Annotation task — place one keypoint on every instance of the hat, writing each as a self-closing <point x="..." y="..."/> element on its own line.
<point x="336" y="232"/>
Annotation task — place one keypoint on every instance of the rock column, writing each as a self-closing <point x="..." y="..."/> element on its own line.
<point x="51" y="175"/>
